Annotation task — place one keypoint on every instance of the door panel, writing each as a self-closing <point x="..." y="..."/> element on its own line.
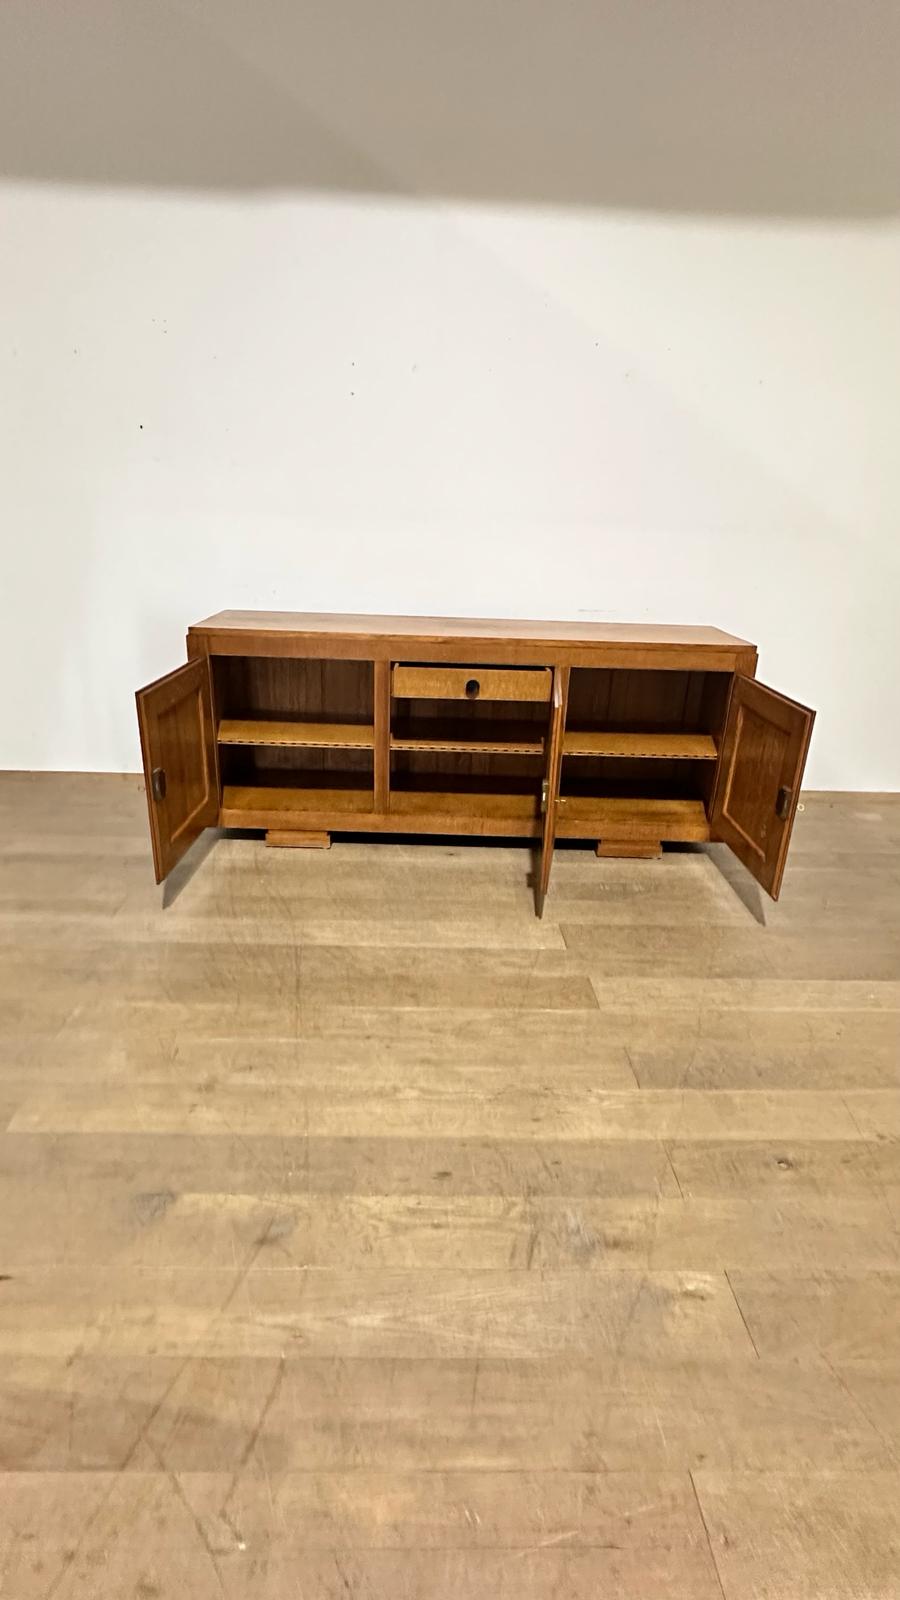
<point x="760" y="771"/>
<point x="552" y="774"/>
<point x="179" y="750"/>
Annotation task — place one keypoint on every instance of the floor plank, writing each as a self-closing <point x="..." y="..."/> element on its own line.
<point x="843" y="1316"/>
<point x="784" y="1168"/>
<point x="357" y="1533"/>
<point x="102" y="1410"/>
<point x="804" y="1536"/>
<point x="265" y="1107"/>
<point x="123" y="1223"/>
<point x="255" y="1310"/>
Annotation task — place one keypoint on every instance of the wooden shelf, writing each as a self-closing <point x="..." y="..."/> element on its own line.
<point x="464" y="811"/>
<point x="352" y="809"/>
<point x="585" y="816"/>
<point x="312" y="735"/>
<point x="469" y="738"/>
<point x="652" y="746"/>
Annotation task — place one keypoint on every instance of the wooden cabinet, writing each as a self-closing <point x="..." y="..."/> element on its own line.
<point x="631" y="736"/>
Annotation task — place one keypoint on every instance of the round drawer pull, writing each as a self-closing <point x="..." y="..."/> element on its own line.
<point x="473" y="688"/>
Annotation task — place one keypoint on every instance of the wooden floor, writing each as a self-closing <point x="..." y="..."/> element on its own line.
<point x="364" y="1238"/>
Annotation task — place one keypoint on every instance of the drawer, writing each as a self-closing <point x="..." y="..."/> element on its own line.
<point x="471" y="683"/>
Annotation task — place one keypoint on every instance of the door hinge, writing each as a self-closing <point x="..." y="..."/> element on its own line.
<point x="545" y="796"/>
<point x="158" y="783"/>
<point x="783" y="802"/>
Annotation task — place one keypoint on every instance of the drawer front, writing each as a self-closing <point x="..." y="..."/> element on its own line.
<point x="471" y="683"/>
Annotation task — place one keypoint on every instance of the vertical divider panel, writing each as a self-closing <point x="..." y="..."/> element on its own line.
<point x="382" y="722"/>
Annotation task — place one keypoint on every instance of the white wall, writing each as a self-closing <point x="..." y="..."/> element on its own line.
<point x="442" y="360"/>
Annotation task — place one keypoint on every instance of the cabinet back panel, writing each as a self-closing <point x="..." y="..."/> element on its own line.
<point x="477" y="715"/>
<point x="412" y="767"/>
<point x="602" y="776"/>
<point x="256" y="764"/>
<point x="266" y="686"/>
<point x="621" y="698"/>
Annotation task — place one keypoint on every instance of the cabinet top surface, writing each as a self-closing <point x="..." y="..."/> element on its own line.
<point x="482" y="629"/>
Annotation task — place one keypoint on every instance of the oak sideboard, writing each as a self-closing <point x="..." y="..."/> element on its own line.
<point x="631" y="736"/>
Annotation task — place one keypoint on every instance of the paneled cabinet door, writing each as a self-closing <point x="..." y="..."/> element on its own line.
<point x="550" y="790"/>
<point x="178" y="744"/>
<point x="760" y="771"/>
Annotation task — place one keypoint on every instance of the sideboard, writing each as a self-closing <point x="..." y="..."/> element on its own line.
<point x="631" y="736"/>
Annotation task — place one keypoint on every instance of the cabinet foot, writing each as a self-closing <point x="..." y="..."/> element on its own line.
<point x="298" y="841"/>
<point x="630" y="849"/>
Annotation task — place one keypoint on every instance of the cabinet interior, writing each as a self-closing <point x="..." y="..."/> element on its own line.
<point x="477" y="747"/>
<point x="310" y="725"/>
<point x="285" y="723"/>
<point x="643" y="733"/>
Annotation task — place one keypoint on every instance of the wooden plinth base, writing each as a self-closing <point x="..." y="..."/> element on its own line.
<point x="293" y="840"/>
<point x="630" y="849"/>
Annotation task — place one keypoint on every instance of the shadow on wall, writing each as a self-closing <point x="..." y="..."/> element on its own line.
<point x="755" y="107"/>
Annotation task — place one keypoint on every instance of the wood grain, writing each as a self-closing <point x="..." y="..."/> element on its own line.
<point x="355" y="1223"/>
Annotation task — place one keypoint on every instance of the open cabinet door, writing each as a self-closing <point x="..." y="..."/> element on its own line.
<point x="179" y="750"/>
<point x="550" y="791"/>
<point x="760" y="771"/>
